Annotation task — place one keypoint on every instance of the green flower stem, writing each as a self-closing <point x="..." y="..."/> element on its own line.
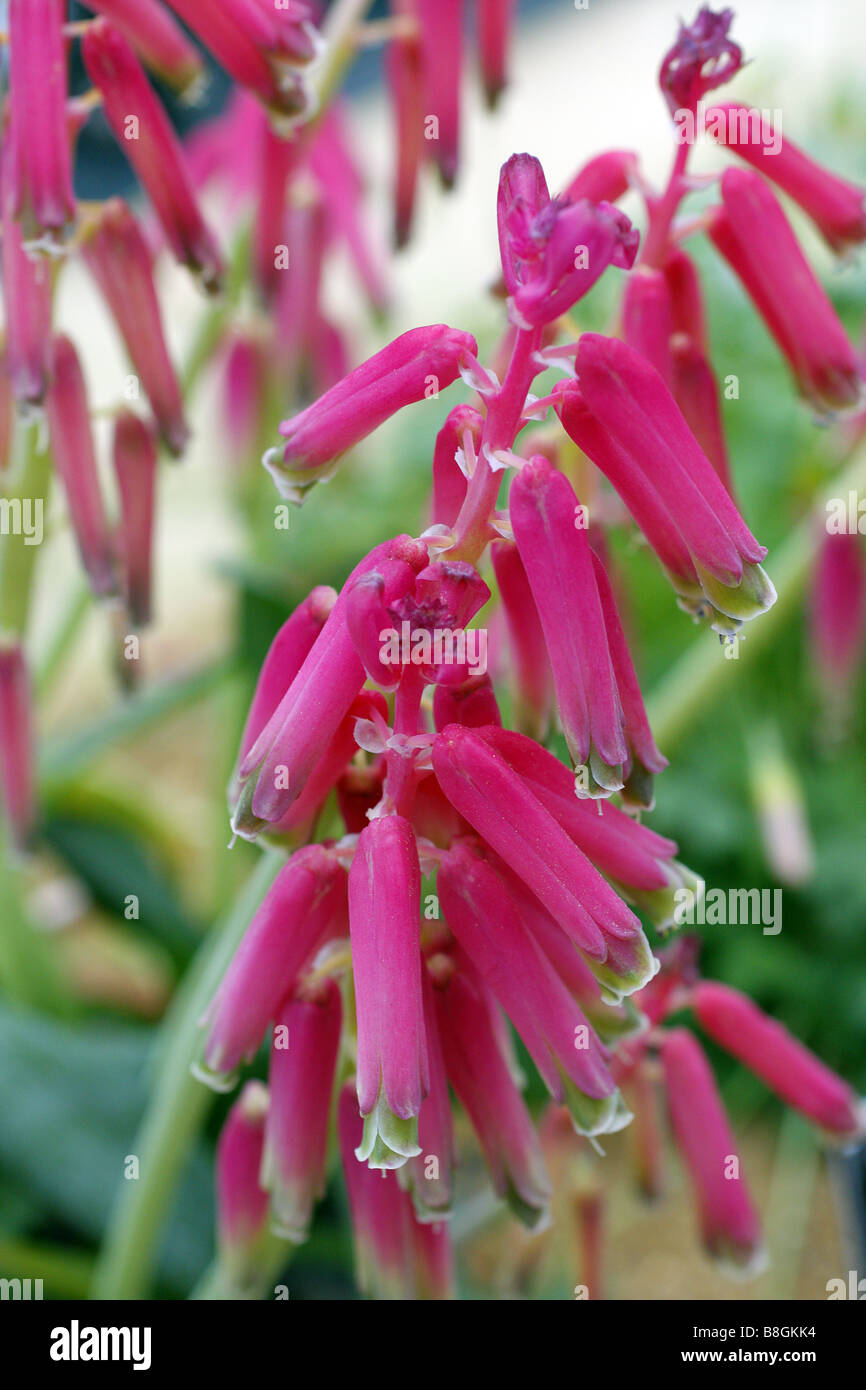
<point x="31" y="480"/>
<point x="217" y="1284"/>
<point x="176" y="1111"/>
<point x="702" y="674"/>
<point x="65" y="1273"/>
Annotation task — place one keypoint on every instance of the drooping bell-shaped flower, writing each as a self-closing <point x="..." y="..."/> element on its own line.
<point x="546" y="519"/>
<point x="27" y="284"/>
<point x="16" y="743"/>
<point x="478" y="909"/>
<point x="403" y="73"/>
<point x="835" y="206"/>
<point x="304" y="1052"/>
<point x="74" y="457"/>
<point x="139" y="123"/>
<point x="553" y="250"/>
<point x="441" y="32"/>
<point x="416" y="364"/>
<point x="134" y="459"/>
<point x="119" y="258"/>
<point x="769" y="1050"/>
<point x="384" y="918"/>
<point x="458" y="439"/>
<point x="495" y="22"/>
<point x="158" y="39"/>
<point x="39" y="164"/>
<point x="728" y="1220"/>
<point x="478" y="1069"/>
<point x="533" y="678"/>
<point x="275" y="767"/>
<point x="647" y="319"/>
<point x="306" y="901"/>
<point x="512" y="820"/>
<point x="429" y="1175"/>
<point x="755" y="237"/>
<point x="626" y="420"/>
<point x="242" y="1202"/>
<point x="837" y="613"/>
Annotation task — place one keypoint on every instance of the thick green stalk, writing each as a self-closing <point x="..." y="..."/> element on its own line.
<point x="702" y="674"/>
<point x="29" y="483"/>
<point x="176" y="1111"/>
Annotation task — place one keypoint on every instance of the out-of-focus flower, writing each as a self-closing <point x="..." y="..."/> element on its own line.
<point x="157" y="38"/>
<point x="837" y="613"/>
<point x="39" y="164"/>
<point x="146" y="136"/>
<point x="242" y="1202"/>
<point x="769" y="1050"/>
<point x="74" y="457"/>
<point x="834" y="205"/>
<point x="753" y="234"/>
<point x="16" y="743"/>
<point x="118" y="256"/>
<point x="134" y="457"/>
<point x="728" y="1220"/>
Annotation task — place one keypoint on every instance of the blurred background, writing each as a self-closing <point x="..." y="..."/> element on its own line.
<point x="133" y="771"/>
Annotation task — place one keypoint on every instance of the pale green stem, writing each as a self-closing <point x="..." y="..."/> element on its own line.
<point x="30" y="481"/>
<point x="703" y="674"/>
<point x="176" y="1110"/>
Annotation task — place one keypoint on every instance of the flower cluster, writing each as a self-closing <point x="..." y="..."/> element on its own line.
<point x="540" y="870"/>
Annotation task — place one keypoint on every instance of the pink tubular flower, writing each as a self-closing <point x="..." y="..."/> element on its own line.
<point x="305" y="901"/>
<point x="134" y="457"/>
<point x="301" y="1079"/>
<point x="496" y="802"/>
<point x="625" y="418"/>
<point x="480" y="912"/>
<point x="261" y="46"/>
<point x="495" y="21"/>
<point x="478" y="1069"/>
<point x="783" y="1063"/>
<point x="553" y="546"/>
<point x="403" y="73"/>
<point x="644" y="759"/>
<point x="834" y="205"/>
<point x="441" y="29"/>
<point x="702" y="59"/>
<point x="392" y="1258"/>
<point x="118" y="257"/>
<point x="429" y="1175"/>
<point x="157" y="38"/>
<point x="463" y="427"/>
<point x="244" y="379"/>
<point x="145" y="134"/>
<point x="753" y="234"/>
<point x="333" y="166"/>
<point x="647" y="319"/>
<point x="533" y="678"/>
<point x="297" y="290"/>
<point x="276" y="160"/>
<point x="638" y="862"/>
<point x="274" y="769"/>
<point x="553" y="250"/>
<point x="242" y="1203"/>
<point x="74" y="458"/>
<point x="285" y="657"/>
<point x="838" y="609"/>
<point x="413" y="365"/>
<point x="39" y="166"/>
<point x="728" y="1221"/>
<point x="384" y="912"/>
<point x="434" y="1260"/>
<point x="603" y="179"/>
<point x="27" y="307"/>
<point x="686" y="300"/>
<point x="472" y="704"/>
<point x="696" y="392"/>
<point x="16" y="743"/>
